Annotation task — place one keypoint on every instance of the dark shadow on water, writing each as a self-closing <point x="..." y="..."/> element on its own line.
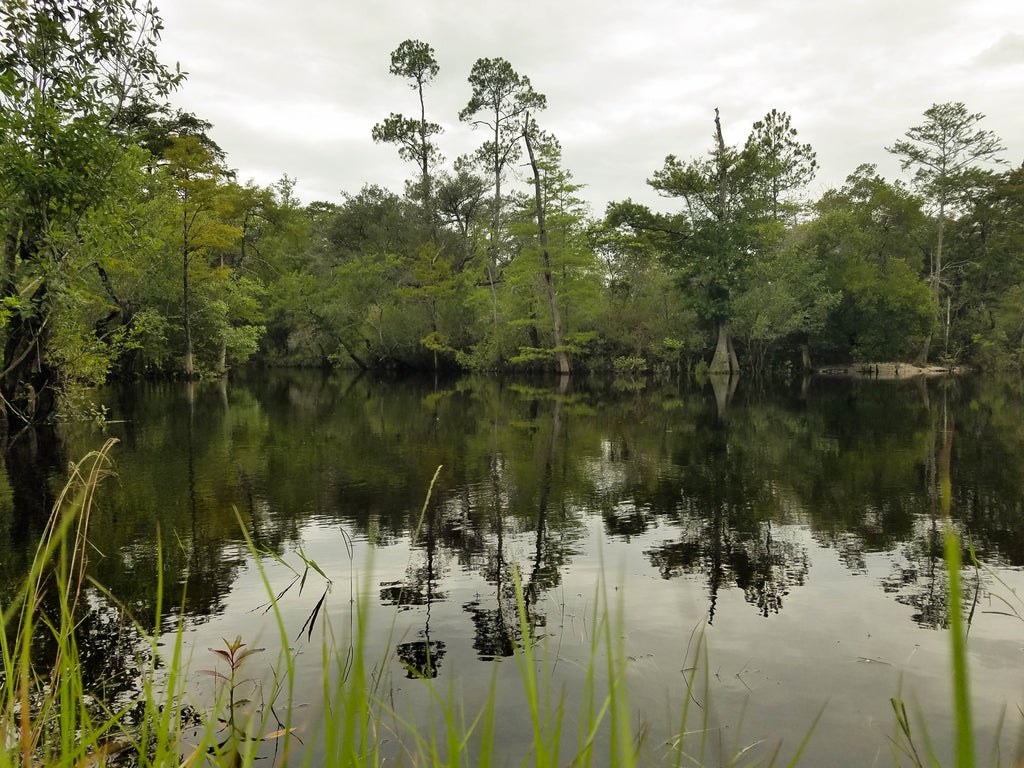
<point x="36" y="464"/>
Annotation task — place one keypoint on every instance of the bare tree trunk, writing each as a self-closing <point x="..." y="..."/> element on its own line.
<point x="28" y="381"/>
<point x="428" y="192"/>
<point x="562" y="364"/>
<point x="936" y="286"/>
<point x="724" y="360"/>
<point x="937" y="283"/>
<point x="189" y="368"/>
<point x="222" y="357"/>
<point x="351" y="353"/>
<point x="492" y="250"/>
<point x="723" y="171"/>
<point x="949" y="320"/>
<point x="922" y="358"/>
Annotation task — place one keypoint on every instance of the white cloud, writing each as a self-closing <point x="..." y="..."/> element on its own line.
<point x="296" y="87"/>
<point x="1008" y="51"/>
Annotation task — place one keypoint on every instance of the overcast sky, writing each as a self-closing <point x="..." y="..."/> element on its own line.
<point x="295" y="87"/>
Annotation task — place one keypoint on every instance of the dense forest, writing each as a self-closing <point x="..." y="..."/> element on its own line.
<point x="131" y="249"/>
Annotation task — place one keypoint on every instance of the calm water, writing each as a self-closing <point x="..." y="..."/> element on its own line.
<point x="797" y="529"/>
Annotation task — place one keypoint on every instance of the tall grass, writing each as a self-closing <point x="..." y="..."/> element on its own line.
<point x="45" y="713"/>
<point x="49" y="719"/>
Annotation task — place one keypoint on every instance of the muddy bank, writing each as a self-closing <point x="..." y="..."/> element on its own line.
<point x="888" y="370"/>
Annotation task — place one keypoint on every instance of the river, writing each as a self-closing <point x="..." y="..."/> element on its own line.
<point x="786" y="542"/>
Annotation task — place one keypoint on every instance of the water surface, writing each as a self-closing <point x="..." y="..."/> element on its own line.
<point x="797" y="530"/>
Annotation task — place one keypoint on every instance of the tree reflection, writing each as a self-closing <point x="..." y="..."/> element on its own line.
<point x="918" y="578"/>
<point x="115" y="660"/>
<point x="764" y="568"/>
<point x="725" y="495"/>
<point x="726" y="500"/>
<point x="549" y="554"/>
<point x="112" y="654"/>
<point x="768" y="572"/>
<point x="497" y="630"/>
<point x="35" y="460"/>
<point x="421" y="658"/>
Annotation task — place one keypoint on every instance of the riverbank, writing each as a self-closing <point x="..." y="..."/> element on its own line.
<point x="891" y="370"/>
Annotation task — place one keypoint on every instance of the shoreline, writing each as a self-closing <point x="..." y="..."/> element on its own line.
<point x="890" y="370"/>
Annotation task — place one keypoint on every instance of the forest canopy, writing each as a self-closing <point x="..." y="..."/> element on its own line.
<point x="131" y="248"/>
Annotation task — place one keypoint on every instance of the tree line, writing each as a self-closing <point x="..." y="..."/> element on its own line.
<point x="131" y="249"/>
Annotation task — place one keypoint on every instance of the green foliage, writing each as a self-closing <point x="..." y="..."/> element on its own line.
<point x="406" y="133"/>
<point x="734" y="204"/>
<point x="501" y="102"/>
<point x="886" y="313"/>
<point x="154" y="127"/>
<point x="781" y="166"/>
<point x="503" y="96"/>
<point x="946" y="153"/>
<point x="498" y="345"/>
<point x="870" y="236"/>
<point x="629" y="366"/>
<point x="131" y="249"/>
<point x="643" y="303"/>
<point x="69" y="70"/>
<point x="788" y="299"/>
<point x="555" y="266"/>
<point x="987" y="244"/>
<point x="415" y="61"/>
